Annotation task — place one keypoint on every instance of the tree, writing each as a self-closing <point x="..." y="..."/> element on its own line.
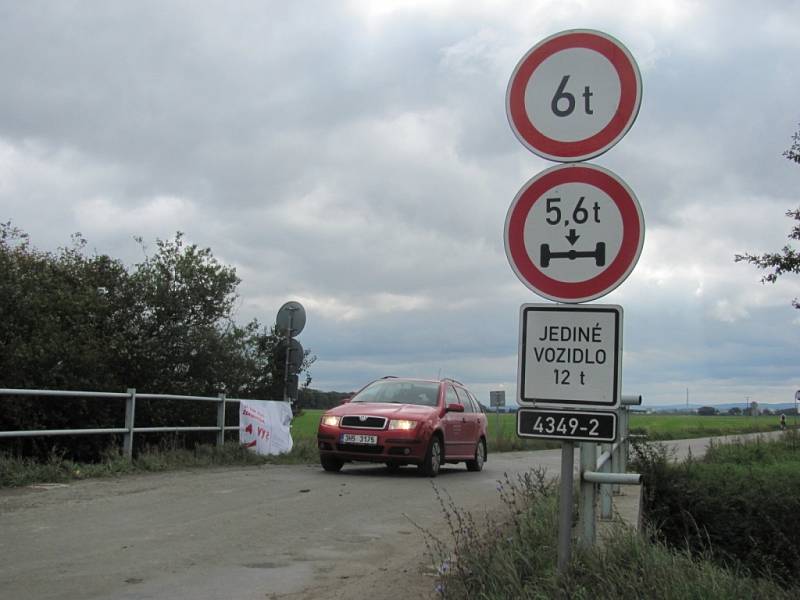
<point x="73" y="321"/>
<point x="707" y="411"/>
<point x="787" y="260"/>
<point x="735" y="411"/>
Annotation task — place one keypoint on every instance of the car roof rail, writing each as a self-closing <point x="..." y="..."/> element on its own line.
<point x="453" y="380"/>
<point x="389" y="377"/>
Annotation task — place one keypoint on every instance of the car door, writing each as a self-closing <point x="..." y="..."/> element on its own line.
<point x="480" y="418"/>
<point x="470" y="422"/>
<point x="454" y="426"/>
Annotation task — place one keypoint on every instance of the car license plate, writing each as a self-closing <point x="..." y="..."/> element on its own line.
<point x="359" y="438"/>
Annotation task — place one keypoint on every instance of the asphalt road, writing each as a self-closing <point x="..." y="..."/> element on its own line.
<point x="242" y="533"/>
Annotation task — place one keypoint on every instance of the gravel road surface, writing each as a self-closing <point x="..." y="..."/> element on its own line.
<point x="287" y="532"/>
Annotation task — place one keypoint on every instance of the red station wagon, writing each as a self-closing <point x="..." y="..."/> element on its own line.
<point x="405" y="421"/>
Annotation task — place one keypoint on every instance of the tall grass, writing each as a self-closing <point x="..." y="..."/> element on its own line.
<point x="513" y="555"/>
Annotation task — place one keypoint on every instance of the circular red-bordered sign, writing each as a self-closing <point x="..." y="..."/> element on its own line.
<point x="574" y="95"/>
<point x="574" y="232"/>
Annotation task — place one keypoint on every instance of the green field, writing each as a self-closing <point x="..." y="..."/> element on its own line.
<point x="674" y="427"/>
<point x="502" y="428"/>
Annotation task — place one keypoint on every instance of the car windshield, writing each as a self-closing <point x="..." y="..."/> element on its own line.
<point x="399" y="392"/>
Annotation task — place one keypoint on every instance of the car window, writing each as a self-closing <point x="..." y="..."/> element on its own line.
<point x="392" y="391"/>
<point x="468" y="400"/>
<point x="473" y="403"/>
<point x="463" y="398"/>
<point x="478" y="407"/>
<point x="452" y="397"/>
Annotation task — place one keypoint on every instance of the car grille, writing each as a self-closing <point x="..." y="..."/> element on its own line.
<point x="361" y="422"/>
<point x="357" y="448"/>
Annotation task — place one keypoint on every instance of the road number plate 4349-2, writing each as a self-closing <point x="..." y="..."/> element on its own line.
<point x="567" y="425"/>
<point x="359" y="438"/>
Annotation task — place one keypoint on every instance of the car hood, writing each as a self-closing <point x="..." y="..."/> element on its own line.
<point x="390" y="411"/>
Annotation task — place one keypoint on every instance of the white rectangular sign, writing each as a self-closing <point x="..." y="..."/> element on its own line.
<point x="265" y="426"/>
<point x="497" y="398"/>
<point x="570" y="356"/>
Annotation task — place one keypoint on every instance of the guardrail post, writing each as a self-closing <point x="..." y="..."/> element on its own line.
<point x="586" y="535"/>
<point x="221" y="421"/>
<point x="605" y="488"/>
<point x="130" y="410"/>
<point x="616" y="463"/>
<point x="624" y="424"/>
<point x="624" y="427"/>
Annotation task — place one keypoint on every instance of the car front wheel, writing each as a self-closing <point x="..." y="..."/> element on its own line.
<point x="433" y="458"/>
<point x="330" y="463"/>
<point x="480" y="457"/>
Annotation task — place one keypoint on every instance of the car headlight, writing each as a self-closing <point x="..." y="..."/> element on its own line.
<point x="330" y="421"/>
<point x="402" y="424"/>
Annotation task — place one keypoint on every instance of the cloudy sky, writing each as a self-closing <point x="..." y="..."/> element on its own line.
<point x="356" y="156"/>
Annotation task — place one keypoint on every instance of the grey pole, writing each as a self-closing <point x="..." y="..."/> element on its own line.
<point x="606" y="488"/>
<point x="221" y="421"/>
<point x="130" y="410"/>
<point x="286" y="365"/>
<point x="616" y="456"/>
<point x="497" y="422"/>
<point x="587" y="509"/>
<point x="624" y="431"/>
<point x="565" y="506"/>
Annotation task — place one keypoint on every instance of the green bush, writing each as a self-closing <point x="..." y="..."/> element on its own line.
<point x="740" y="505"/>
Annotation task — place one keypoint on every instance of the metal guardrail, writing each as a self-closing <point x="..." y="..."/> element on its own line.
<point x="128" y="431"/>
<point x="606" y="470"/>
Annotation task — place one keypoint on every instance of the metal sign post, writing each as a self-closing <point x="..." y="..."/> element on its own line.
<point x="572" y="234"/>
<point x="291" y="319"/>
<point x="796" y="398"/>
<point x="497" y="399"/>
<point x="565" y="506"/>
<point x="286" y="362"/>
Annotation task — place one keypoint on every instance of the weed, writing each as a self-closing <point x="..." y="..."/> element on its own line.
<point x="164" y="456"/>
<point x="513" y="554"/>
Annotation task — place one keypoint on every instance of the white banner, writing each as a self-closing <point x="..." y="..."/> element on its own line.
<point x="264" y="426"/>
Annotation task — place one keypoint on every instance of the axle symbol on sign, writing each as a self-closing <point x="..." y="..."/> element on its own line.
<point x="599" y="254"/>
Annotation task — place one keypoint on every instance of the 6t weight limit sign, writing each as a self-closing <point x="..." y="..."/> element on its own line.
<point x="570" y="356"/>
<point x="574" y="95"/>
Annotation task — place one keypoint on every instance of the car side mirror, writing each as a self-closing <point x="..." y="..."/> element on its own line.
<point x="455" y="407"/>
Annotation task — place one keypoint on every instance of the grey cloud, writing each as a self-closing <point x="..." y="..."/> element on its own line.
<point x="368" y="167"/>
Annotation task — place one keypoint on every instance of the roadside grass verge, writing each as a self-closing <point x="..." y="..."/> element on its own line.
<point x="169" y="455"/>
<point x="739" y="505"/>
<point x="16" y="471"/>
<point x="513" y="555"/>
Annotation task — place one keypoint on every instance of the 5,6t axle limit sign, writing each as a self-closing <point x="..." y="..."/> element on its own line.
<point x="574" y="232"/>
<point x="574" y="95"/>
